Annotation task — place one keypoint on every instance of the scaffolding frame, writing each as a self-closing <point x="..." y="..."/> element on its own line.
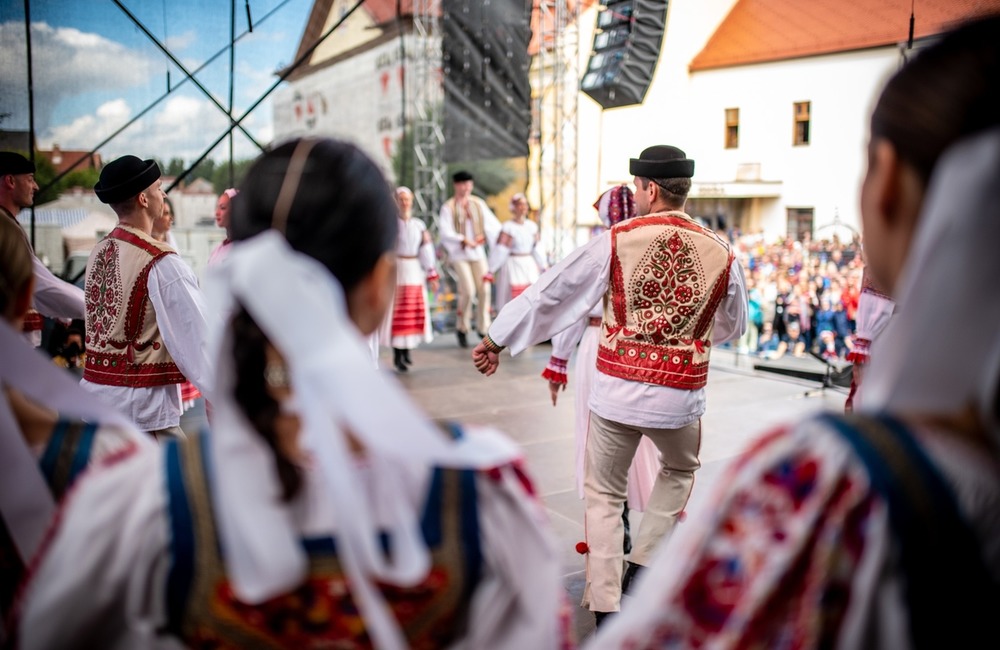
<point x="557" y="74"/>
<point x="427" y="104"/>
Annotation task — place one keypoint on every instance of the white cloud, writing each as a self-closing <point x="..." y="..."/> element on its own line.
<point x="180" y="41"/>
<point x="183" y="127"/>
<point x="67" y="62"/>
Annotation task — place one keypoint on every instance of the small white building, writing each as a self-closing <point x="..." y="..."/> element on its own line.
<point x="772" y="98"/>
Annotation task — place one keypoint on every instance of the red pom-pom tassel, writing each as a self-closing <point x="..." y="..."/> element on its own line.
<point x="582" y="548"/>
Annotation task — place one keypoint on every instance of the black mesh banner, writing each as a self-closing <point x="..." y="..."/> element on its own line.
<point x="487" y="101"/>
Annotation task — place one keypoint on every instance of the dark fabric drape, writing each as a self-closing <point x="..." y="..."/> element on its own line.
<point x="487" y="100"/>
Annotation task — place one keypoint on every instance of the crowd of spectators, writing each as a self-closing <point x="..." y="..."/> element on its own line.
<point x="803" y="295"/>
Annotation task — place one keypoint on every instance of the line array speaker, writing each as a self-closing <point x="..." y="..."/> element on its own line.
<point x="625" y="51"/>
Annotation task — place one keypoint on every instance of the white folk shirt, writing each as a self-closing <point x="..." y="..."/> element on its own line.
<point x="181" y="316"/>
<point x="565" y="294"/>
<point x="523" y="241"/>
<point x="452" y="239"/>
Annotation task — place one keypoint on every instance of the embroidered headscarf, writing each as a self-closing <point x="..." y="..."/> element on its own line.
<point x="941" y="352"/>
<point x="336" y="390"/>
<point x="615" y="205"/>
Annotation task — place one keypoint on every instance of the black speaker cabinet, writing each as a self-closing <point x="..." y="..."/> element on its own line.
<point x="626" y="47"/>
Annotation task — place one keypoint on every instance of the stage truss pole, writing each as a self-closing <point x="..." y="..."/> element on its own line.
<point x="556" y="94"/>
<point x="427" y="109"/>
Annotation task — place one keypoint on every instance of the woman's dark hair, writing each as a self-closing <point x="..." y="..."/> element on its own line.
<point x="947" y="91"/>
<point x="344" y="215"/>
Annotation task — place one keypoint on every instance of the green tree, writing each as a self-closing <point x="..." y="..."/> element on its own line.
<point x="174" y="168"/>
<point x="220" y="177"/>
<point x="492" y="176"/>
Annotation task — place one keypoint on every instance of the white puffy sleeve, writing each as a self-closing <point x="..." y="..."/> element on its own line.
<point x="520" y="601"/>
<point x="731" y="316"/>
<point x="99" y="581"/>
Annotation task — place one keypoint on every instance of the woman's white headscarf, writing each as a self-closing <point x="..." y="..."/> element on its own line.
<point x="336" y="389"/>
<point x="941" y="352"/>
<point x="26" y="502"/>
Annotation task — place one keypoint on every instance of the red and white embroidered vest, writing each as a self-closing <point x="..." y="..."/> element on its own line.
<point x="668" y="276"/>
<point x="124" y="346"/>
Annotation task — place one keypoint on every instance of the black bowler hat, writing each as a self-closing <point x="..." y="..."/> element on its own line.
<point x="124" y="178"/>
<point x="461" y="176"/>
<point x="15" y="163"/>
<point x="662" y="161"/>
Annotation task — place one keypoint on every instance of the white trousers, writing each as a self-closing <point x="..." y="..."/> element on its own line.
<point x="610" y="448"/>
<point x="470" y="281"/>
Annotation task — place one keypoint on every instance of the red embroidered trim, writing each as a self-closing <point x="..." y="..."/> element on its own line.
<point x="121" y="234"/>
<point x="117" y="370"/>
<point x="638" y="362"/>
<point x="33" y="322"/>
<point x="555" y="377"/>
<point x="718" y="292"/>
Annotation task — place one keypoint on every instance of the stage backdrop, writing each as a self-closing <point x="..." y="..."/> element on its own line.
<point x="487" y="101"/>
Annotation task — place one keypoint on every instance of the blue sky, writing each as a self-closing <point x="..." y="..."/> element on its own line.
<point x="94" y="70"/>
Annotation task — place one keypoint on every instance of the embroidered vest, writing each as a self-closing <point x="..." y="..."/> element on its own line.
<point x="204" y="612"/>
<point x="459" y="216"/>
<point x="668" y="276"/>
<point x="65" y="456"/>
<point x="124" y="345"/>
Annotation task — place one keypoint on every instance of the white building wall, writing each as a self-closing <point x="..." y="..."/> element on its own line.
<point x="825" y="174"/>
<point x="358" y="99"/>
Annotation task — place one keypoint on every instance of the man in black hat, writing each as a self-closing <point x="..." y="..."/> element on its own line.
<point x="145" y="314"/>
<point x="51" y="296"/>
<point x="671" y="289"/>
<point x="465" y="224"/>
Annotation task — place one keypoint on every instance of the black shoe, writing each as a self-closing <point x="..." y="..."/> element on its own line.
<point x="397" y="360"/>
<point x="599" y="617"/>
<point x="631" y="573"/>
<point x="480" y="335"/>
<point x="461" y="340"/>
<point x="406" y="358"/>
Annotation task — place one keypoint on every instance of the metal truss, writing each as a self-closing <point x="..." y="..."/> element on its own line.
<point x="427" y="109"/>
<point x="557" y="73"/>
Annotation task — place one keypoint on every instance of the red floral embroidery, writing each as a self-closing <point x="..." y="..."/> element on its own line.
<point x="104" y="290"/>
<point x="666" y="288"/>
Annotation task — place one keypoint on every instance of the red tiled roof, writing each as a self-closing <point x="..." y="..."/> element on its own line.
<point x="772" y="30"/>
<point x="63" y="159"/>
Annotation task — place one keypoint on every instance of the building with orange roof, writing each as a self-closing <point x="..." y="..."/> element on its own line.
<point x="772" y="99"/>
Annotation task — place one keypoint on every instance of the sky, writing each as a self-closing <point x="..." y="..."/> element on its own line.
<point x="93" y="70"/>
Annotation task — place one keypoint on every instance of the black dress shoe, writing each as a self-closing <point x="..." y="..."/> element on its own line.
<point x="397" y="360"/>
<point x="631" y="573"/>
<point x="599" y="617"/>
<point x="461" y="340"/>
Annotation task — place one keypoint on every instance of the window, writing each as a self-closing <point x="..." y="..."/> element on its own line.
<point x="800" y="223"/>
<point x="732" y="128"/>
<point x="801" y="134"/>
